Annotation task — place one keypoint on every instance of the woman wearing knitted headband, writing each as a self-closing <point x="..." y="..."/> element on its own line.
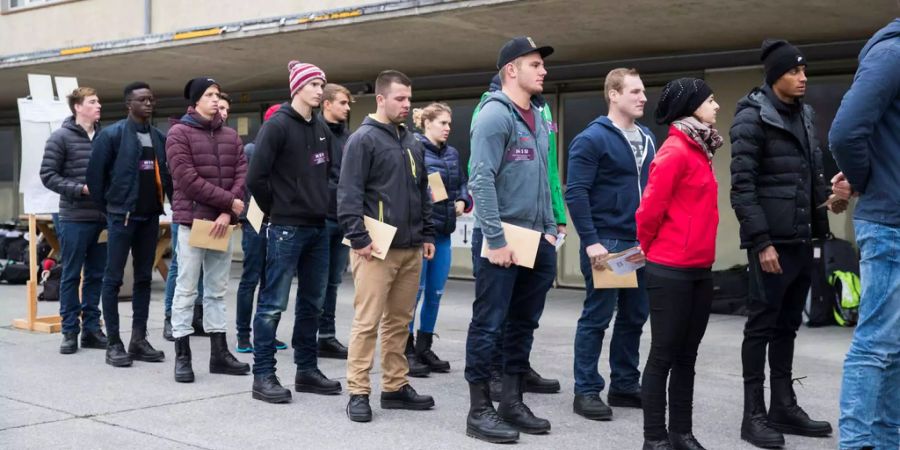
<point x="676" y="226"/>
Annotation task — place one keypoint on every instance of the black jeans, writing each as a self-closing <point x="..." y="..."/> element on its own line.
<point x="775" y="307"/>
<point x="138" y="236"/>
<point x="680" y="301"/>
<point x="511" y="298"/>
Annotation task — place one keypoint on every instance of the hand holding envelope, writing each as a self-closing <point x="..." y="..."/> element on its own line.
<point x="381" y="234"/>
<point x="203" y="236"/>
<point x="521" y="243"/>
<point x="619" y="270"/>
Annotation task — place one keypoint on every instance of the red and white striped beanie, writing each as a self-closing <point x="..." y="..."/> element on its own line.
<point x="302" y="73"/>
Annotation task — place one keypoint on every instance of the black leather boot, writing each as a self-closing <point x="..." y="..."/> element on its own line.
<point x="358" y="409"/>
<point x="662" y="444"/>
<point x="755" y="427"/>
<point x="591" y="406"/>
<point x="141" y="350"/>
<point x="537" y="384"/>
<point x="496" y="384"/>
<point x="197" y="323"/>
<point x="684" y="441"/>
<point x="268" y="389"/>
<point x="483" y="422"/>
<point x="115" y="352"/>
<point x="69" y="343"/>
<point x="624" y="399"/>
<point x="184" y="372"/>
<point x="786" y="416"/>
<point x="406" y="398"/>
<point x="417" y="368"/>
<point x="167" y="329"/>
<point x="221" y="360"/>
<point x="94" y="339"/>
<point x="514" y="411"/>
<point x="423" y="351"/>
<point x="316" y="382"/>
<point x="330" y="347"/>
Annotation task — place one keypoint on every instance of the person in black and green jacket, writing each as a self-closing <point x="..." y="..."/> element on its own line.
<point x="533" y="381"/>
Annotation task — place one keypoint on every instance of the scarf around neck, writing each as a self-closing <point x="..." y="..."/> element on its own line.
<point x="707" y="137"/>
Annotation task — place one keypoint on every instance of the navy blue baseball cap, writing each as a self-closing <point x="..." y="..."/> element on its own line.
<point x="520" y="46"/>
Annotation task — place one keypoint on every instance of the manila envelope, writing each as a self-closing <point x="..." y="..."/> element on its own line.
<point x="381" y="234"/>
<point x="200" y="237"/>
<point x="523" y="242"/>
<point x="104" y="237"/>
<point x="255" y="215"/>
<point x="607" y="279"/>
<point x="438" y="191"/>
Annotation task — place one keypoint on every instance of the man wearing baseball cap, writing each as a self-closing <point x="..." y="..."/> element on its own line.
<point x="777" y="182"/>
<point x="289" y="179"/>
<point x="509" y="183"/>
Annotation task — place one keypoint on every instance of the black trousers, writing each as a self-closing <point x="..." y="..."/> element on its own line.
<point x="680" y="301"/>
<point x="775" y="306"/>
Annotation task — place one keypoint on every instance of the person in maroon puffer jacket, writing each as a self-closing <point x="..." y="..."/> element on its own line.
<point x="676" y="226"/>
<point x="209" y="171"/>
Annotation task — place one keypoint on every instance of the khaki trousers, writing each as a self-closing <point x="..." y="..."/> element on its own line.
<point x="386" y="296"/>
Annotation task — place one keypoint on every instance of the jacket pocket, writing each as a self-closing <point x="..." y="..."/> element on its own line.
<point x="779" y="204"/>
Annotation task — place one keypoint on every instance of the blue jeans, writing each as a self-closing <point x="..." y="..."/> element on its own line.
<point x="599" y="305"/>
<point x="80" y="249"/>
<point x="431" y="282"/>
<point x="337" y="264"/>
<point x="870" y="392"/>
<point x="173" y="275"/>
<point x="511" y="298"/>
<point x="291" y="250"/>
<point x="139" y="237"/>
<point x="253" y="274"/>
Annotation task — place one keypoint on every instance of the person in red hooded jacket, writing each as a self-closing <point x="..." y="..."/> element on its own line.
<point x="676" y="226"/>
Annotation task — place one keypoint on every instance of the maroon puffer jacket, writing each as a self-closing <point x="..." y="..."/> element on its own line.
<point x="208" y="167"/>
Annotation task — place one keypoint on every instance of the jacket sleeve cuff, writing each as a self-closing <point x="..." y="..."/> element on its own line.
<point x="495" y="242"/>
<point x="428" y="239"/>
<point x="361" y="242"/>
<point x="760" y="242"/>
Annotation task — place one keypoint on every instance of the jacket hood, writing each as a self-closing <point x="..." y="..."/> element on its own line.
<point x="890" y="31"/>
<point x="606" y="122"/>
<point x="429" y="145"/>
<point x="370" y="121"/>
<point x="289" y="111"/>
<point x="70" y="124"/>
<point x="193" y="119"/>
<point x="338" y="129"/>
<point x="759" y="100"/>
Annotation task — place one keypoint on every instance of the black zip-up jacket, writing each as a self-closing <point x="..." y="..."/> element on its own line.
<point x="383" y="176"/>
<point x="64" y="171"/>
<point x="340" y="133"/>
<point x="288" y="175"/>
<point x="777" y="179"/>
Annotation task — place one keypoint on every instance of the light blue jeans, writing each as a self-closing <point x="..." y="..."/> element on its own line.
<point x="216" y="268"/>
<point x="870" y="393"/>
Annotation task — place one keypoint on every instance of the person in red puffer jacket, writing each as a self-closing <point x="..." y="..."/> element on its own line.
<point x="676" y="226"/>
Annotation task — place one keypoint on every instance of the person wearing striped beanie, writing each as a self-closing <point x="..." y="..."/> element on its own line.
<point x="288" y="177"/>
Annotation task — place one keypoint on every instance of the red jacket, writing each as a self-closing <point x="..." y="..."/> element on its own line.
<point x="208" y="168"/>
<point x="679" y="213"/>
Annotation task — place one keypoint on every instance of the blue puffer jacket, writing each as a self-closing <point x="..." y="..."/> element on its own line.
<point x="445" y="160"/>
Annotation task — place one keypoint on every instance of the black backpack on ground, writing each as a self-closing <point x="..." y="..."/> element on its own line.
<point x="13" y="272"/>
<point x="731" y="289"/>
<point x="830" y="255"/>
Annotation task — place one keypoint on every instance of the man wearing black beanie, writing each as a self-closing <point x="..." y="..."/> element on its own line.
<point x="777" y="182"/>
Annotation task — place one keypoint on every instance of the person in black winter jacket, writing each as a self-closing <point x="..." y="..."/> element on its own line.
<point x="63" y="170"/>
<point x="777" y="184"/>
<point x="434" y="123"/>
<point x="336" y="100"/>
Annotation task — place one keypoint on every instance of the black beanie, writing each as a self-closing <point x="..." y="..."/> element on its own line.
<point x="195" y="88"/>
<point x="680" y="98"/>
<point x="779" y="56"/>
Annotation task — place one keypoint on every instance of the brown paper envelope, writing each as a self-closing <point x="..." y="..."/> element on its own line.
<point x="255" y="215"/>
<point x="524" y="243"/>
<point x="200" y="237"/>
<point x="438" y="191"/>
<point x="607" y="279"/>
<point x="104" y="237"/>
<point x="381" y="234"/>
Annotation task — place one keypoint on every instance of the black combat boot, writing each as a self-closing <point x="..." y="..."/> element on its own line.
<point x="184" y="372"/>
<point x="423" y="351"/>
<point x="221" y="360"/>
<point x="514" y="411"/>
<point x="755" y="427"/>
<point x="483" y="422"/>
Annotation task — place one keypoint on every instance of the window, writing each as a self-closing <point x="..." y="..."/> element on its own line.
<point x="15" y="5"/>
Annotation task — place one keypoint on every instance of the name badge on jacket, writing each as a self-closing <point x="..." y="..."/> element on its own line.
<point x="519" y="154"/>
